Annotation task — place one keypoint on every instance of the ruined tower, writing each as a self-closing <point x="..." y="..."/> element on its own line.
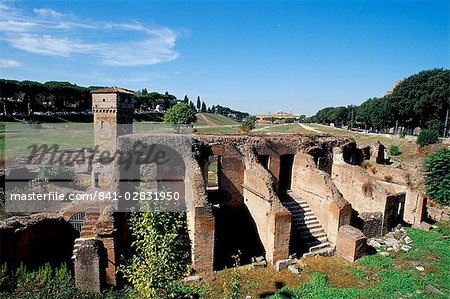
<point x="113" y="116"/>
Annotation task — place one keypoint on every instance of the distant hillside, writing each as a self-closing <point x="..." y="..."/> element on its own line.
<point x="211" y="119"/>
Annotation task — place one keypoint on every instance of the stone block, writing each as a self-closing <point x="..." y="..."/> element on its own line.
<point x="425" y="226"/>
<point x="351" y="243"/>
<point x="282" y="264"/>
<point x="294" y="268"/>
<point x="88" y="265"/>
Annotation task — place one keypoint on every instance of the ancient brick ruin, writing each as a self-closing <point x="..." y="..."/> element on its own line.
<point x="272" y="196"/>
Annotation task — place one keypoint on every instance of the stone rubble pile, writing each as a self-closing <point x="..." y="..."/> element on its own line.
<point x="393" y="241"/>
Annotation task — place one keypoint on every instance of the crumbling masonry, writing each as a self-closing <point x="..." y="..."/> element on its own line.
<point x="270" y="195"/>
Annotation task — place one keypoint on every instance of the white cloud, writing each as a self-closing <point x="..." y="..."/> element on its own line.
<point x="47" y="13"/>
<point x="53" y="33"/>
<point x="8" y="63"/>
<point x="47" y="45"/>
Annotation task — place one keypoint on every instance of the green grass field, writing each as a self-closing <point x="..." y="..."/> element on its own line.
<point x="394" y="275"/>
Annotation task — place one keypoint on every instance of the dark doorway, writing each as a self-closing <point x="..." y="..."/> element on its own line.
<point x="235" y="232"/>
<point x="264" y="161"/>
<point x="286" y="162"/>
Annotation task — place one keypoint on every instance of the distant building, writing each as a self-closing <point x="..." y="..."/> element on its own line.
<point x="397" y="83"/>
<point x="277" y="118"/>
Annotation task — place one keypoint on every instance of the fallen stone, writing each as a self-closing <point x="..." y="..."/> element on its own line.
<point x="193" y="278"/>
<point x="374" y="243"/>
<point x="282" y="264"/>
<point x="420" y="268"/>
<point x="259" y="259"/>
<point x="384" y="253"/>
<point x="399" y="226"/>
<point x="408" y="240"/>
<point x="294" y="268"/>
<point x="301" y="264"/>
<point x="257" y="265"/>
<point x="390" y="235"/>
<point x="430" y="289"/>
<point x="390" y="249"/>
<point x="392" y="242"/>
<point x="293" y="256"/>
<point x="406" y="248"/>
<point x="425" y="226"/>
<point x="415" y="263"/>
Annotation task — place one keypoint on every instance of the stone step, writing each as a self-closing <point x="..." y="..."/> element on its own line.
<point x="293" y="204"/>
<point x="319" y="246"/>
<point x="304" y="218"/>
<point x="319" y="235"/>
<point x="313" y="242"/>
<point x="298" y="209"/>
<point x="326" y="251"/>
<point x="310" y="226"/>
<point x="312" y="221"/>
<point x="317" y="232"/>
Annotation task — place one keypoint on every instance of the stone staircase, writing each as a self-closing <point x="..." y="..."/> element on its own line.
<point x="89" y="225"/>
<point x="307" y="229"/>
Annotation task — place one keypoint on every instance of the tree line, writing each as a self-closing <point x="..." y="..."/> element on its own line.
<point x="28" y="97"/>
<point x="421" y="100"/>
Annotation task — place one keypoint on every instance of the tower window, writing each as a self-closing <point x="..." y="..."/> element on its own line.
<point x="104" y="100"/>
<point x="101" y="124"/>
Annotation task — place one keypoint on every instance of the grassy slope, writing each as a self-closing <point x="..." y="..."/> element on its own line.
<point x="210" y="119"/>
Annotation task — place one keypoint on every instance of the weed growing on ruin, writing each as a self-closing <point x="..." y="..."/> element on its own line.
<point x="394" y="150"/>
<point x="48" y="282"/>
<point x="367" y="188"/>
<point x="162" y="253"/>
<point x="232" y="286"/>
<point x="436" y="169"/>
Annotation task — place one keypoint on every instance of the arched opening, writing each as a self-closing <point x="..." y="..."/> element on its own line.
<point x="77" y="221"/>
<point x="46" y="241"/>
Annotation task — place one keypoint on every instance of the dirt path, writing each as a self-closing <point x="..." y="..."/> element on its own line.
<point x="205" y="119"/>
<point x="306" y="127"/>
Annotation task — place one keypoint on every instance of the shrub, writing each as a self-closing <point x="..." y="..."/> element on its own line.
<point x="180" y="114"/>
<point x="394" y="150"/>
<point x="427" y="137"/>
<point x="436" y="169"/>
<point x="248" y="124"/>
<point x="56" y="172"/>
<point x="162" y="252"/>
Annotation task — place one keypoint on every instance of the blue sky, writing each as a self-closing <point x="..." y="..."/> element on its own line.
<point x="296" y="56"/>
